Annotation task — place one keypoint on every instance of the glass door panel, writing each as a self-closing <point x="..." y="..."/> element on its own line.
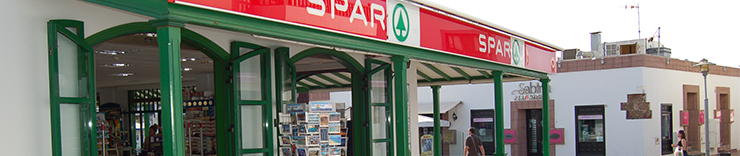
<point x="71" y="126"/>
<point x="252" y="99"/>
<point x="379" y="95"/>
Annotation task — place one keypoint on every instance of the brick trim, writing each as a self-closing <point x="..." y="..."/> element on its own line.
<point x="641" y="60"/>
<point x="518" y="117"/>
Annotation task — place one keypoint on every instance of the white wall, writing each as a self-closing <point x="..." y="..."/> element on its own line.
<point x="603" y="87"/>
<point x="478" y="96"/>
<point x="666" y="86"/>
<point x="25" y="117"/>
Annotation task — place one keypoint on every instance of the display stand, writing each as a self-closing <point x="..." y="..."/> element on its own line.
<point x="200" y="127"/>
<point x="314" y="129"/>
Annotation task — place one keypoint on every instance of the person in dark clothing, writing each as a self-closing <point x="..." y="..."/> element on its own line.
<point x="681" y="143"/>
<point x="473" y="146"/>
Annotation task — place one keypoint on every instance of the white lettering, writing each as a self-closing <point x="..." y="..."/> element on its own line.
<point x="361" y="15"/>
<point x="498" y="48"/>
<point x="491" y="43"/>
<point x="482" y="41"/>
<point x="317" y="12"/>
<point x="507" y="48"/>
<point x="336" y="7"/>
<point x="380" y="17"/>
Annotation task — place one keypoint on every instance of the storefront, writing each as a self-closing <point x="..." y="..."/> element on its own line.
<point x="227" y="70"/>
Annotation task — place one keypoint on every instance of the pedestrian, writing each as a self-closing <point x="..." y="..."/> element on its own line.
<point x="473" y="146"/>
<point x="680" y="146"/>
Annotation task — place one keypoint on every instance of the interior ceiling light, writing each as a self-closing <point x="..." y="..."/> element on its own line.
<point x="187" y="69"/>
<point x="188" y="59"/>
<point x="122" y="74"/>
<point x="111" y="52"/>
<point x="116" y="65"/>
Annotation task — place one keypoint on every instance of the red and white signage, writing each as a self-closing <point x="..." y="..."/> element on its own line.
<point x="399" y="22"/>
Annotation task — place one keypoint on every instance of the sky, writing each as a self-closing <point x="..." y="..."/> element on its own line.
<point x="692" y="29"/>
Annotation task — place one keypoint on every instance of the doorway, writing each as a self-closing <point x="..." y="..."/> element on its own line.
<point x="483" y="121"/>
<point x="534" y="132"/>
<point x="590" y="126"/>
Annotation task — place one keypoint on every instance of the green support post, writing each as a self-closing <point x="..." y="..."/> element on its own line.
<point x="545" y="117"/>
<point x="169" y="40"/>
<point x="437" y="128"/>
<point x="498" y="88"/>
<point x="401" y="105"/>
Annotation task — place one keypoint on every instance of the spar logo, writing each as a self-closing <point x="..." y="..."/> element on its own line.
<point x="400" y="22"/>
<point x="516" y="53"/>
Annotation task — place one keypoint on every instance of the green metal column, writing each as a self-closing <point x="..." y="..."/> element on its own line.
<point x="545" y="117"/>
<point x="498" y="90"/>
<point x="401" y="105"/>
<point x="437" y="128"/>
<point x="169" y="39"/>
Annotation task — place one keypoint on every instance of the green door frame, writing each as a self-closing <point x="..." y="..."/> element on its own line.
<point x="265" y="101"/>
<point x="84" y="79"/>
<point x="387" y="102"/>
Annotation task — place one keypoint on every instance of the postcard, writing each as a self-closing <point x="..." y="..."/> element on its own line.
<point x="312" y="128"/>
<point x="300" y="117"/>
<point x="335" y="139"/>
<point x="292" y="108"/>
<point x="335" y="128"/>
<point x="300" y="151"/>
<point x="285" y="129"/>
<point x="344" y="141"/>
<point x="334" y="117"/>
<point x="324" y="119"/>
<point x="285" y="141"/>
<point x="313" y="140"/>
<point x="324" y="133"/>
<point x="313" y="118"/>
<point x="286" y="151"/>
<point x="321" y="107"/>
<point x="302" y="128"/>
<point x="314" y="152"/>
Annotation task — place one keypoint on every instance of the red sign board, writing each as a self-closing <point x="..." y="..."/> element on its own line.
<point x="374" y="18"/>
<point x="366" y="18"/>
<point x="684" y="118"/>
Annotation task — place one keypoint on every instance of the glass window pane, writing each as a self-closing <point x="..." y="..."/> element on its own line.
<point x="378" y="85"/>
<point x="250" y="79"/>
<point x="70" y="126"/>
<point x="253" y="154"/>
<point x="591" y="130"/>
<point x="287" y="90"/>
<point x="72" y="83"/>
<point x="379" y="121"/>
<point x="243" y="50"/>
<point x="380" y="149"/>
<point x="251" y="126"/>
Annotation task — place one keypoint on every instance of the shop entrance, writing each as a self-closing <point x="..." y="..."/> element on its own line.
<point x="483" y="121"/>
<point x="534" y="132"/>
<point x="590" y="135"/>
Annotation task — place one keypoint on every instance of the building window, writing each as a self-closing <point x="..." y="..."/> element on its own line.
<point x="628" y="49"/>
<point x="611" y="50"/>
<point x="590" y="132"/>
<point x="666" y="128"/>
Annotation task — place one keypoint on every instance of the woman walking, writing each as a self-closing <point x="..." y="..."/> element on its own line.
<point x="680" y="146"/>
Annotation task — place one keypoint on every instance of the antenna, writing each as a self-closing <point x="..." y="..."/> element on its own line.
<point x="638" y="17"/>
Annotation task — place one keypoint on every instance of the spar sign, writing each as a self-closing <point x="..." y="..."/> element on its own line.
<point x="399" y="22"/>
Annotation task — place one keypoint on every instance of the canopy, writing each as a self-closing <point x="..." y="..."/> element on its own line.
<point x="425" y="121"/>
<point x="428" y="108"/>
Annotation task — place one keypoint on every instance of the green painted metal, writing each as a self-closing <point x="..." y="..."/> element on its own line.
<point x="335" y="82"/>
<point x="304" y="85"/>
<point x="265" y="102"/>
<point x="322" y="85"/>
<point x="169" y="40"/>
<point x="401" y="105"/>
<point x="264" y="27"/>
<point x="436" y="70"/>
<point x="342" y="77"/>
<point x="374" y="67"/>
<point x="461" y="72"/>
<point x="485" y="74"/>
<point x="437" y="127"/>
<point x="200" y="42"/>
<point x="545" y="117"/>
<point x="423" y="75"/>
<point x="152" y="8"/>
<point x="498" y="87"/>
<point x="85" y="71"/>
<point x="343" y="58"/>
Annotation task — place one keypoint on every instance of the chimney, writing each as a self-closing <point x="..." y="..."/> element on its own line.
<point x="595" y="41"/>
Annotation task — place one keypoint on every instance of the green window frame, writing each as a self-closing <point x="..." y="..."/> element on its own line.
<point x="242" y="52"/>
<point x="71" y="89"/>
<point x="383" y="103"/>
